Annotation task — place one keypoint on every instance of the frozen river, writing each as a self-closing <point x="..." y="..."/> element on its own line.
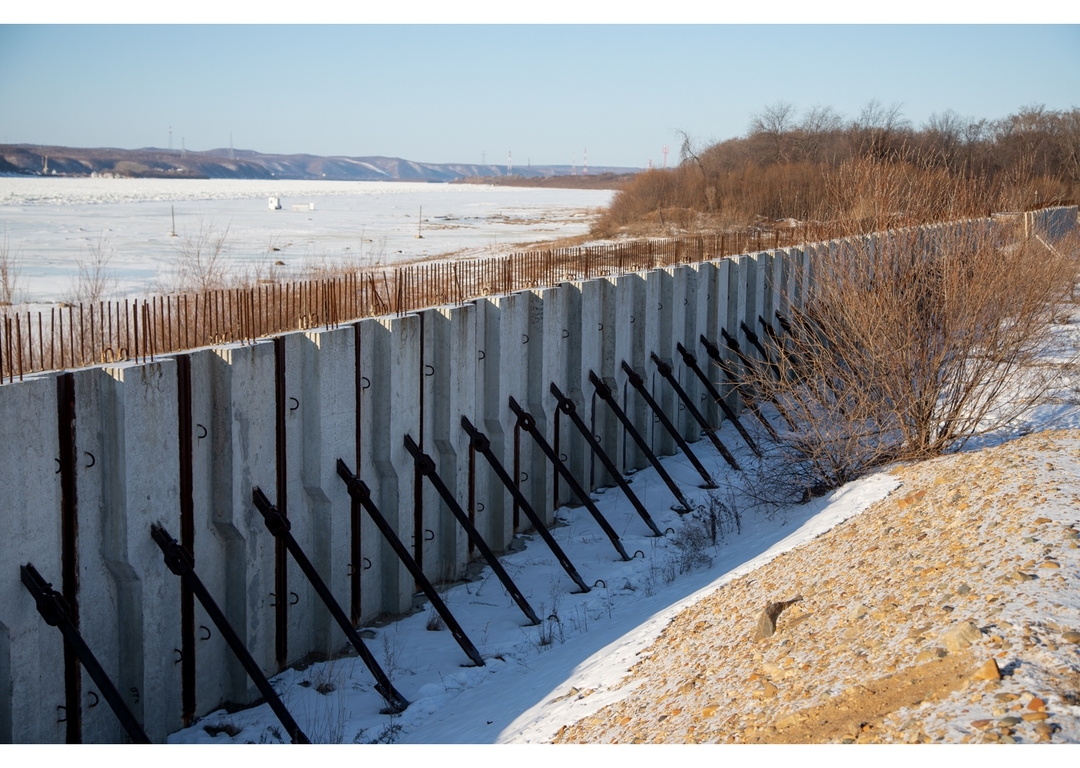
<point x="53" y="224"/>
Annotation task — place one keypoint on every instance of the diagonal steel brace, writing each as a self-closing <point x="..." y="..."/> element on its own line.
<point x="528" y="423"/>
<point x="179" y="562"/>
<point x="360" y="491"/>
<point x="691" y="362"/>
<point x="751" y="404"/>
<point x="481" y="443"/>
<point x="566" y="405"/>
<point x="639" y="384"/>
<point x="426" y="465"/>
<point x="605" y="393"/>
<point x="667" y="373"/>
<point x="54" y="610"/>
<point x="280" y="527"/>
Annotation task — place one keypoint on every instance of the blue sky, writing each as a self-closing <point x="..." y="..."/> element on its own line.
<point x="457" y="93"/>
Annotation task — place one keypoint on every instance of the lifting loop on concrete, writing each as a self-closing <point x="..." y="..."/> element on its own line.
<point x="528" y="423"/>
<point x="361" y="493"/>
<point x="481" y="443"/>
<point x="427" y="468"/>
<point x="605" y="393"/>
<point x="691" y="363"/>
<point x="279" y="526"/>
<point x="637" y="383"/>
<point x="54" y="610"/>
<point x="566" y="405"/>
<point x="179" y="562"/>
<point x="666" y="371"/>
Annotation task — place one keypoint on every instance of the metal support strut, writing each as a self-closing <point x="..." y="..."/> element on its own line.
<point x="481" y="443"/>
<point x="667" y="373"/>
<point x="691" y="362"/>
<point x="54" y="610"/>
<point x="359" y="490"/>
<point x="280" y="527"/>
<point x="608" y="397"/>
<point x="179" y="562"/>
<point x="749" y="364"/>
<point x="426" y="466"/>
<point x="748" y="332"/>
<point x="528" y="423"/>
<point x="714" y="353"/>
<point x="566" y="405"/>
<point x="639" y="384"/>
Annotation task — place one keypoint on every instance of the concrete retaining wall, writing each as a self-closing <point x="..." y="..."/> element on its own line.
<point x="352" y="393"/>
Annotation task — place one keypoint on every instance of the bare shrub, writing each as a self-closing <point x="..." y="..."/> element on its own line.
<point x="10" y="273"/>
<point x="93" y="280"/>
<point x="911" y="344"/>
<point x="201" y="264"/>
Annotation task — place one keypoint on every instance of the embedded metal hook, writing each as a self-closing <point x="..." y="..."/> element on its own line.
<point x="430" y="370"/>
<point x="64" y="718"/>
<point x="293" y="399"/>
<point x="639" y="552"/>
<point x="659" y="306"/>
<point x="367" y="564"/>
<point x="480" y="506"/>
<point x="565" y="333"/>
<point x="524" y="477"/>
<point x="204" y="433"/>
<point x="669" y="530"/>
<point x="601" y="326"/>
<point x="179" y="655"/>
<point x="367" y="382"/>
<point x="93" y="461"/>
<point x="482" y="355"/>
<point x="96" y="699"/>
<point x="58" y="466"/>
<point x="205" y="629"/>
<point x="295" y="600"/>
<point x="598" y="582"/>
<point x="525" y="336"/>
<point x="631" y="319"/>
<point x="428" y="537"/>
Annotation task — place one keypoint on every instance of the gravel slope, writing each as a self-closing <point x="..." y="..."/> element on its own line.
<point x="879" y="648"/>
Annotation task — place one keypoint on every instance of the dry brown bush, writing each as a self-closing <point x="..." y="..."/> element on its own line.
<point x="788" y="168"/>
<point x="909" y="346"/>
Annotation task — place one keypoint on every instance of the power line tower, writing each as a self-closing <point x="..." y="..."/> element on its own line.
<point x="665" y="156"/>
<point x="170" y="138"/>
<point x="585" y="162"/>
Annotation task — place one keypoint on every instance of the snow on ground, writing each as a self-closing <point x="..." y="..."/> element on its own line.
<point x="534" y="676"/>
<point x="52" y="223"/>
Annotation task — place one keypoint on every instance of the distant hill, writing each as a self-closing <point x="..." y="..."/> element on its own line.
<point x="35" y="160"/>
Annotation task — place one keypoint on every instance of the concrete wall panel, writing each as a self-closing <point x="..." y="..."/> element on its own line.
<point x="31" y="652"/>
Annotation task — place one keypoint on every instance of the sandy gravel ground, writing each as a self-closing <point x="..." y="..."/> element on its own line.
<point x="948" y="612"/>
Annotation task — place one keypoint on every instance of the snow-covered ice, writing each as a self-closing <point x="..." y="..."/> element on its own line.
<point x="53" y="222"/>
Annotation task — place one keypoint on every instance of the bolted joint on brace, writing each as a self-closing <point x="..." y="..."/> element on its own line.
<point x="276" y="523"/>
<point x="177" y="558"/>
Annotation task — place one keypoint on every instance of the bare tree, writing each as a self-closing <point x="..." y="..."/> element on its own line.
<point x="201" y="264"/>
<point x="775" y="122"/>
<point x="10" y="273"/>
<point x="817" y="124"/>
<point x="94" y="280"/>
<point x="878" y="130"/>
